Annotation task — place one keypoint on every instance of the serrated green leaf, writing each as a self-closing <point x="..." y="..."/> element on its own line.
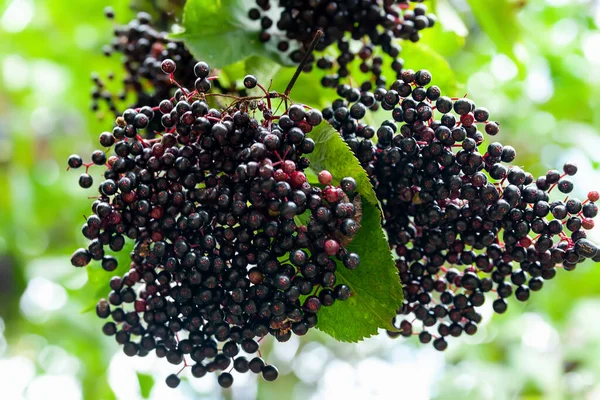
<point x="375" y="284"/>
<point x="333" y="154"/>
<point x="218" y="32"/>
<point x="146" y="384"/>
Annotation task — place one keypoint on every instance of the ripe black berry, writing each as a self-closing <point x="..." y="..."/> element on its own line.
<point x="250" y="81"/>
<point x="75" y="161"/>
<point x="173" y="381"/>
<point x="270" y="373"/>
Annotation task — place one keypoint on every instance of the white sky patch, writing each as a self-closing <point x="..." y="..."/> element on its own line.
<point x="62" y="387"/>
<point x="538" y="334"/>
<point x="538" y="84"/>
<point x="503" y="68"/>
<point x="15" y="375"/>
<point x="311" y="361"/>
<point x="591" y="47"/>
<point x="41" y="297"/>
<point x="563" y="33"/>
<point x="55" y="360"/>
<point x="49" y="80"/>
<point x="17" y="15"/>
<point x="15" y="72"/>
<point x="449" y="18"/>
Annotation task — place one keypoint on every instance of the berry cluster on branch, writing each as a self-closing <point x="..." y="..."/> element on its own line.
<point x="464" y="224"/>
<point x="143" y="49"/>
<point x="231" y="242"/>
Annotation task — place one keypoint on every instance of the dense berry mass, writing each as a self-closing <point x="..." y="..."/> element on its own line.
<point x="465" y="225"/>
<point x="372" y="24"/>
<point x="231" y="242"/>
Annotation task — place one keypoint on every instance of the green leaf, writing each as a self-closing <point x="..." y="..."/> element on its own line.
<point x="420" y="56"/>
<point x="146" y="383"/>
<point x="447" y="36"/>
<point x="263" y="68"/>
<point x="218" y="32"/>
<point x="306" y="90"/>
<point x="333" y="154"/>
<point x="375" y="284"/>
<point x="498" y="19"/>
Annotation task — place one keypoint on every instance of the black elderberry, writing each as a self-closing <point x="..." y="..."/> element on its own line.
<point x="256" y="365"/>
<point x="270" y="373"/>
<point x="85" y="181"/>
<point x="225" y="380"/>
<point x="173" y="381"/>
<point x="250" y="81"/>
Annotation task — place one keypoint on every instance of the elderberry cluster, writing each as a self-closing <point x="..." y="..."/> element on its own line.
<point x="231" y="242"/>
<point x="376" y="24"/>
<point x="143" y="49"/>
<point x="464" y="224"/>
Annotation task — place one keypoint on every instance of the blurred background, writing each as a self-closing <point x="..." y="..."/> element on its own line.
<point x="534" y="63"/>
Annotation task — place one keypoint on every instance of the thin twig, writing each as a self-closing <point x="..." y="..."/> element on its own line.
<point x="307" y="55"/>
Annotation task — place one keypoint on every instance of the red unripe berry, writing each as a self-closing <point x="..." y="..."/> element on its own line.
<point x="401" y="251"/>
<point x="168" y="66"/>
<point x="325" y="177"/>
<point x="114" y="218"/>
<point x="128" y="197"/>
<point x="289" y="166"/>
<point x="331" y="194"/>
<point x="304" y="126"/>
<point x="525" y="242"/>
<point x="297" y="179"/>
<point x="331" y="247"/>
<point x="587" y="223"/>
<point x="157" y="236"/>
<point x="140" y="306"/>
<point x="157" y="48"/>
<point x="593" y="196"/>
<point x="467" y="119"/>
<point x="157" y="213"/>
<point x="280" y="175"/>
<point x="255" y="276"/>
<point x="132" y="277"/>
<point x="111" y="160"/>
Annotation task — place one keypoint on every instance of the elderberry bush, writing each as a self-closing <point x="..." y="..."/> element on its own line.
<point x="231" y="242"/>
<point x="373" y="24"/>
<point x="143" y="48"/>
<point x="465" y="224"/>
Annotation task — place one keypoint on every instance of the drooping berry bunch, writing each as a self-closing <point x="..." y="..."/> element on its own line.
<point x="464" y="224"/>
<point x="143" y="48"/>
<point x="231" y="243"/>
<point x="364" y="32"/>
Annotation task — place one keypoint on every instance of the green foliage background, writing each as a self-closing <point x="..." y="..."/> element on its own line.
<point x="533" y="63"/>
